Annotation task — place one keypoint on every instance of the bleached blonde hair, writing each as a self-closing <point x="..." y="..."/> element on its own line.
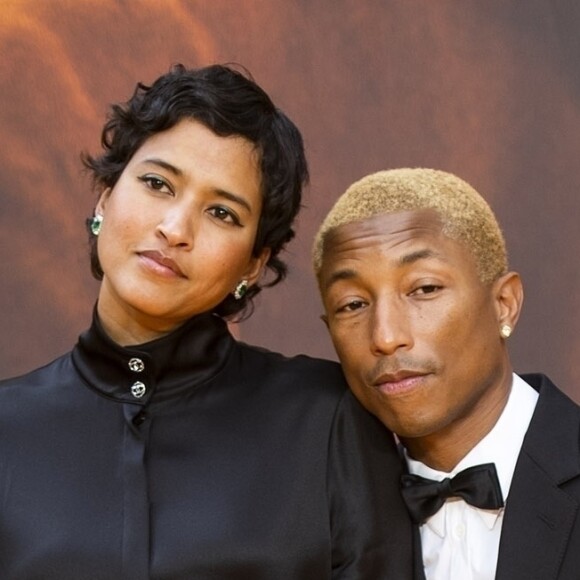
<point x="465" y="215"/>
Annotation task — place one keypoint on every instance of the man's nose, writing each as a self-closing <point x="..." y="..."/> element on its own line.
<point x="391" y="328"/>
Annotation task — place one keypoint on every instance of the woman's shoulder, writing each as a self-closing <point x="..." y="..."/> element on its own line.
<point x="37" y="378"/>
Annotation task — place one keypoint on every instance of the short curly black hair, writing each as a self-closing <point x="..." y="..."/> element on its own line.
<point x="230" y="103"/>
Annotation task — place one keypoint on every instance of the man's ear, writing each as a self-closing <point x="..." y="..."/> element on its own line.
<point x="508" y="294"/>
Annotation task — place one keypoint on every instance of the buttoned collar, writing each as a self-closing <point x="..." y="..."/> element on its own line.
<point x="160" y="369"/>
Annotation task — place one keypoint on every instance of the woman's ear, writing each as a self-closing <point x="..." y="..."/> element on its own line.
<point x="102" y="201"/>
<point x="256" y="266"/>
<point x="509" y="297"/>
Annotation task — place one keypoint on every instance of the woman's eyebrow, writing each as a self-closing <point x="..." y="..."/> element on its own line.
<point x="164" y="164"/>
<point x="235" y="198"/>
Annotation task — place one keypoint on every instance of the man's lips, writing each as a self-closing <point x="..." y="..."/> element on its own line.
<point x="400" y="382"/>
<point x="160" y="263"/>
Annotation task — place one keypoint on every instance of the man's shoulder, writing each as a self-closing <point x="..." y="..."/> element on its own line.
<point x="553" y="437"/>
<point x="297" y="370"/>
<point x="550" y="394"/>
<point x="285" y="363"/>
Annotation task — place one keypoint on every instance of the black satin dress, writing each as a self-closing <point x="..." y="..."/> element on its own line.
<point x="194" y="457"/>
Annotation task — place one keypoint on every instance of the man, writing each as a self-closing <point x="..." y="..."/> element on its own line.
<point x="419" y="302"/>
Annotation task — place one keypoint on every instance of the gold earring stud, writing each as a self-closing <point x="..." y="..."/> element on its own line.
<point x="505" y="330"/>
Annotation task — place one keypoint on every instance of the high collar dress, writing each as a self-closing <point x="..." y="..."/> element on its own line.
<point x="194" y="457"/>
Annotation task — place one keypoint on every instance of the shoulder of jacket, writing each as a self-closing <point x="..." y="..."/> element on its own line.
<point x="309" y="370"/>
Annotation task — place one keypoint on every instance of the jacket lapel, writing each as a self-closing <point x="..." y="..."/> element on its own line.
<point x="418" y="568"/>
<point x="419" y="571"/>
<point x="539" y="514"/>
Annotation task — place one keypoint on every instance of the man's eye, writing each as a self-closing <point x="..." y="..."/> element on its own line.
<point x="426" y="289"/>
<point x="352" y="306"/>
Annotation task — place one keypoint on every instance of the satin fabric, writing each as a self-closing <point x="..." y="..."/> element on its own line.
<point x="230" y="463"/>
<point x="477" y="485"/>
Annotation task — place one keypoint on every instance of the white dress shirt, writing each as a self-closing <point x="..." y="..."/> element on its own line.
<point x="461" y="542"/>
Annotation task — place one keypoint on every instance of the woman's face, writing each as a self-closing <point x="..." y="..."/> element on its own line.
<point x="178" y="231"/>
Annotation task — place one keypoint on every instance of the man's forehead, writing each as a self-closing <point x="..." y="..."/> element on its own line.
<point x="393" y="227"/>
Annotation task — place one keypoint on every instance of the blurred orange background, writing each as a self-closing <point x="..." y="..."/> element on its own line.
<point x="488" y="90"/>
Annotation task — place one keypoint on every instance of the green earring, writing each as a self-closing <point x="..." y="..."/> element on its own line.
<point x="95" y="224"/>
<point x="241" y="289"/>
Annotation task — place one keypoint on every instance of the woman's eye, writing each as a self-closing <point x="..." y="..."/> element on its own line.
<point x="156" y="183"/>
<point x="225" y="215"/>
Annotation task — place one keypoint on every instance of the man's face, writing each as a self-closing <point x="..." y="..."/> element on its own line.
<point x="415" y="329"/>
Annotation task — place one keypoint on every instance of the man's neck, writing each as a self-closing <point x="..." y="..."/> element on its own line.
<point x="445" y="448"/>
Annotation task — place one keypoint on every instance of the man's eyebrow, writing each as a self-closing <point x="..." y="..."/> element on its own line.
<point x="405" y="260"/>
<point x="412" y="257"/>
<point x="178" y="173"/>
<point x="344" y="274"/>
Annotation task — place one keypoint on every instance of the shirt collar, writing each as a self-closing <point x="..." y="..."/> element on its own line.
<point x="500" y="446"/>
<point x="161" y="369"/>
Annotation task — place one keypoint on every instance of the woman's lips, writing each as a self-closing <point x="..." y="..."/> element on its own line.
<point x="160" y="264"/>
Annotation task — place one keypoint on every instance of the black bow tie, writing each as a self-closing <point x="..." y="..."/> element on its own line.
<point x="478" y="486"/>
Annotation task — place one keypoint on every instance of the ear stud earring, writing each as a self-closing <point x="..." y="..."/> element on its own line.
<point x="505" y="330"/>
<point x="95" y="224"/>
<point x="241" y="289"/>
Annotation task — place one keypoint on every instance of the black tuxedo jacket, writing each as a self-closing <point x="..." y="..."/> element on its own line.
<point x="540" y="537"/>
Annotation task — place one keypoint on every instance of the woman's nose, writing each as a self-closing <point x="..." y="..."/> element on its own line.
<point x="177" y="227"/>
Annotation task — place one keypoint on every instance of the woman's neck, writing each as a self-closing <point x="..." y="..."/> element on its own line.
<point x="132" y="328"/>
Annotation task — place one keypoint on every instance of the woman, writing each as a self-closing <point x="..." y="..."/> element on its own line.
<point x="160" y="447"/>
